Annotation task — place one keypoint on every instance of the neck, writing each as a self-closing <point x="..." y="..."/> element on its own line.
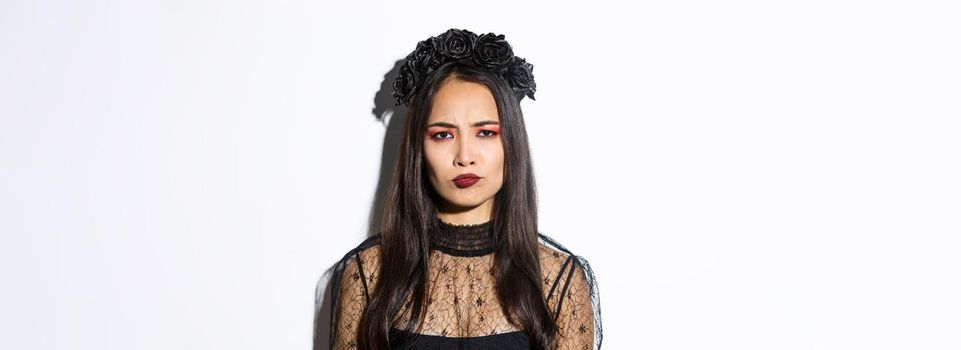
<point x="467" y="216"/>
<point x="463" y="240"/>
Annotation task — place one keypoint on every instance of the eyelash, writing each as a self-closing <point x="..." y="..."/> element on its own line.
<point x="492" y="134"/>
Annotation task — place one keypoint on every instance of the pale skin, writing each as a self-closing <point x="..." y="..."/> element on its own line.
<point x="463" y="136"/>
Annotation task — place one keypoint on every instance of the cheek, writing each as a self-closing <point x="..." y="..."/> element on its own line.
<point x="496" y="161"/>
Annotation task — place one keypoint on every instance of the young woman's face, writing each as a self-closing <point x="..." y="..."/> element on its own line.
<point x="463" y="137"/>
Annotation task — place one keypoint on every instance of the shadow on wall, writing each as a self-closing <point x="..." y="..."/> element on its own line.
<point x="384" y="112"/>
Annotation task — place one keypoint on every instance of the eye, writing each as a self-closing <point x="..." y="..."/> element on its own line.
<point x="492" y="133"/>
<point x="441" y="133"/>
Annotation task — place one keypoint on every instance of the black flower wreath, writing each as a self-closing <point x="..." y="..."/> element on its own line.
<point x="488" y="51"/>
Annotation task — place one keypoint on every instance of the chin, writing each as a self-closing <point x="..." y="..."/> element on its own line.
<point x="466" y="202"/>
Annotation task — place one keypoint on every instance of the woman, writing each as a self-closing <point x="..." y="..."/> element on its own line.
<point x="459" y="263"/>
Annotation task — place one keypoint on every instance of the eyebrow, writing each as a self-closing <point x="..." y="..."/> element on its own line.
<point x="449" y="125"/>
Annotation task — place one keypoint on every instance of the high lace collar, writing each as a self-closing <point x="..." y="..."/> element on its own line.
<point x="462" y="240"/>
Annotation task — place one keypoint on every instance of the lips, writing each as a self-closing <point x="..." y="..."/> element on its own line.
<point x="465" y="180"/>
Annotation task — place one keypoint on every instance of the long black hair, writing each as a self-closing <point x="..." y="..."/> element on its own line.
<point x="410" y="207"/>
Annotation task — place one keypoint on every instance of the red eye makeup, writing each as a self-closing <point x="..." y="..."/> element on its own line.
<point x="441" y="131"/>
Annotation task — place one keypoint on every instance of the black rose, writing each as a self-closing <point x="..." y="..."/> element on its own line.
<point x="410" y="68"/>
<point x="404" y="83"/>
<point x="488" y="51"/>
<point x="425" y="57"/>
<point x="521" y="77"/>
<point x="456" y="43"/>
<point x="493" y="52"/>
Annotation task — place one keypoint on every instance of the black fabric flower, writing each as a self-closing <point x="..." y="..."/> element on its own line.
<point x="455" y="43"/>
<point x="488" y="51"/>
<point x="425" y="57"/>
<point x="405" y="83"/>
<point x="521" y="78"/>
<point x="493" y="52"/>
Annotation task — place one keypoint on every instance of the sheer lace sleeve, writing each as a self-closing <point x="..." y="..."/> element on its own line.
<point x="574" y="300"/>
<point x="575" y="319"/>
<point x="352" y="281"/>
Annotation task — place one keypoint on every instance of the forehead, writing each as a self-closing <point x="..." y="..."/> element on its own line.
<point x="459" y="101"/>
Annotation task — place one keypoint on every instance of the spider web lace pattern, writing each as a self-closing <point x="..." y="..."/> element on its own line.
<point x="461" y="304"/>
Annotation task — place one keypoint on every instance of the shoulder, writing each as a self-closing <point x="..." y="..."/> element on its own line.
<point x="560" y="266"/>
<point x="363" y="259"/>
<point x="552" y="253"/>
<point x="356" y="272"/>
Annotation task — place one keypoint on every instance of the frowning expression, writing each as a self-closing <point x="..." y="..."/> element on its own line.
<point x="463" y="139"/>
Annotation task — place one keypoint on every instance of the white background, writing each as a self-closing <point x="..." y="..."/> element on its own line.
<point x="740" y="174"/>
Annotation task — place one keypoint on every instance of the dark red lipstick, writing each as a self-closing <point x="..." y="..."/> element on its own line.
<point x="465" y="180"/>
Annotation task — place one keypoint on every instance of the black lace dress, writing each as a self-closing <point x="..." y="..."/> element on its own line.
<point x="462" y="309"/>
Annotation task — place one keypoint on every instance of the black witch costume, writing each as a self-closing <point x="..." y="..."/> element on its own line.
<point x="461" y="309"/>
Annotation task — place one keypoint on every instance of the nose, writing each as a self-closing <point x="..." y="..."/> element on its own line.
<point x="465" y="154"/>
